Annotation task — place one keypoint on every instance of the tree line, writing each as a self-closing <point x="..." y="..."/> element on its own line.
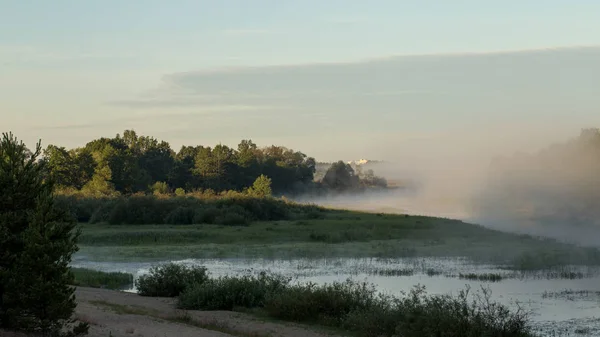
<point x="131" y="163"/>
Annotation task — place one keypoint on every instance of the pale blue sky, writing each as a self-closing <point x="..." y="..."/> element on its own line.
<point x="178" y="70"/>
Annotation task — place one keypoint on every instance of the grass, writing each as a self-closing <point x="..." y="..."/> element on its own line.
<point x="97" y="279"/>
<point x="337" y="234"/>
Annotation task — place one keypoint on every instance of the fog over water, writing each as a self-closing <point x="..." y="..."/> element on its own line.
<point x="517" y="180"/>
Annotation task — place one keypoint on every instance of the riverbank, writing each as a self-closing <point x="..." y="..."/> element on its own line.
<point x="339" y="234"/>
<point x="118" y="314"/>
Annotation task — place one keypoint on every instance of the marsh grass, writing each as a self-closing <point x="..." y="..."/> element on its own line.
<point x="97" y="279"/>
<point x="359" y="308"/>
<point x="393" y="272"/>
<point x="486" y="277"/>
<point x="334" y="234"/>
<point x="170" y="280"/>
<point x="571" y="295"/>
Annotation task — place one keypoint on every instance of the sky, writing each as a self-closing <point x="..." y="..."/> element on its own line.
<point x="335" y="79"/>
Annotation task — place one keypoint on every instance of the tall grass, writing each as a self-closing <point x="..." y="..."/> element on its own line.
<point x="359" y="308"/>
<point x="97" y="279"/>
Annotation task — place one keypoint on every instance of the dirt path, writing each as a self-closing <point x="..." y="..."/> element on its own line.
<point x="118" y="314"/>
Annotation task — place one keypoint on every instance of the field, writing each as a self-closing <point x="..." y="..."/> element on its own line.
<point x="393" y="252"/>
<point x="341" y="234"/>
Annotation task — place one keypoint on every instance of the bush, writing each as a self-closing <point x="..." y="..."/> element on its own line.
<point x="329" y="304"/>
<point x="227" y="293"/>
<point x="206" y="215"/>
<point x="170" y="280"/>
<point x="181" y="216"/>
<point x="234" y="215"/>
<point x="358" y="308"/>
<point x="194" y="208"/>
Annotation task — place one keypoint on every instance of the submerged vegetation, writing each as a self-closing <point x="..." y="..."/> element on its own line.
<point x="353" y="306"/>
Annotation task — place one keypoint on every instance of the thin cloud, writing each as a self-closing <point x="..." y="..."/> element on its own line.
<point x="395" y="94"/>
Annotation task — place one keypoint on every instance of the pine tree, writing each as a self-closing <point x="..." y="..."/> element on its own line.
<point x="261" y="187"/>
<point x="37" y="241"/>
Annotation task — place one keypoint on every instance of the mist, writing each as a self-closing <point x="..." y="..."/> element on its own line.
<point x="543" y="184"/>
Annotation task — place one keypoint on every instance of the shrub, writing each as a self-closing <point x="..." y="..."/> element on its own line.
<point x="206" y="215"/>
<point x="234" y="215"/>
<point x="261" y="187"/>
<point x="210" y="209"/>
<point x="181" y="216"/>
<point x="329" y="303"/>
<point x="226" y="293"/>
<point x="160" y="188"/>
<point x="170" y="280"/>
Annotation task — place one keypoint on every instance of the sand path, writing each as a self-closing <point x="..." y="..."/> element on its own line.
<point x="125" y="315"/>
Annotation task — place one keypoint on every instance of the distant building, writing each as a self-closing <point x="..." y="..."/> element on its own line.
<point x="359" y="162"/>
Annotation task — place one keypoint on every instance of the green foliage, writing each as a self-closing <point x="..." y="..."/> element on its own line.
<point x="261" y="187"/>
<point x="160" y="188"/>
<point x="418" y="314"/>
<point x="357" y="307"/>
<point x="329" y="303"/>
<point x="131" y="163"/>
<point x="97" y="279"/>
<point x="180" y="192"/>
<point x="37" y="240"/>
<point x="181" y="216"/>
<point x="232" y="219"/>
<point x="227" y="293"/>
<point x="230" y="209"/>
<point x="170" y="280"/>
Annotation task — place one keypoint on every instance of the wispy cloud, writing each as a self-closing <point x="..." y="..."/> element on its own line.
<point x="392" y="95"/>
